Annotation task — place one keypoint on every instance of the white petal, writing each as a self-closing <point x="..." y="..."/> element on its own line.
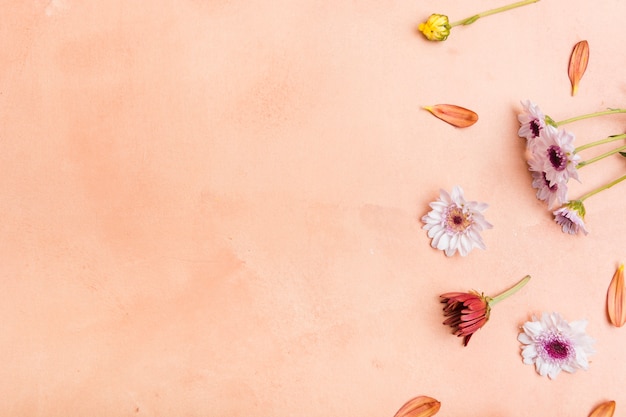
<point x="579" y="326"/>
<point x="529" y="352"/>
<point x="450" y="251"/>
<point x="457" y="195"/>
<point x="443" y="241"/>
<point x="435" y="231"/>
<point x="436" y="234"/>
<point x="553" y="371"/>
<point x="465" y="246"/>
<point x="454" y="241"/>
<point x="525" y="339"/>
<point x="533" y="328"/>
<point x="445" y="197"/>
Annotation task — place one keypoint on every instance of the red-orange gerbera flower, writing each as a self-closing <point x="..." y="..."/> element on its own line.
<point x="467" y="312"/>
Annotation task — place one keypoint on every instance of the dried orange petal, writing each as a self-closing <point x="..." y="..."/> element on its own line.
<point x="455" y="115"/>
<point x="604" y="410"/>
<point x="578" y="64"/>
<point x="616" y="298"/>
<point x="421" y="406"/>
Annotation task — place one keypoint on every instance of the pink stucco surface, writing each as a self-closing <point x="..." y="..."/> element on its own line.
<point x="212" y="208"/>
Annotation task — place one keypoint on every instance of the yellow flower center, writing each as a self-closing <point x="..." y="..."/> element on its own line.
<point x="457" y="220"/>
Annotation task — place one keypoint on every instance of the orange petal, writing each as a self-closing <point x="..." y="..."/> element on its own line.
<point x="604" y="410"/>
<point x="616" y="298"/>
<point x="421" y="406"/>
<point x="455" y="115"/>
<point x="578" y="64"/>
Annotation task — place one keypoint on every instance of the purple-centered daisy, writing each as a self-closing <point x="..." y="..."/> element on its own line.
<point x="554" y="155"/>
<point x="532" y="122"/>
<point x="455" y="224"/>
<point x="571" y="217"/>
<point x="554" y="195"/>
<point x="554" y="345"/>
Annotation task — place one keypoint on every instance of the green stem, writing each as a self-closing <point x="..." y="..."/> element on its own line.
<point x="599" y="157"/>
<point x="474" y="18"/>
<point x="600" y="142"/>
<point x="509" y="292"/>
<point x="604" y="187"/>
<point x="590" y="115"/>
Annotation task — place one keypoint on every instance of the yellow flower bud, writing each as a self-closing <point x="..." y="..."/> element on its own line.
<point x="436" y="28"/>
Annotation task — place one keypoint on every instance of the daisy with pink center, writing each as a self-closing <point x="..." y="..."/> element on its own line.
<point x="554" y="195"/>
<point x="554" y="345"/>
<point x="571" y="215"/>
<point x="532" y="122"/>
<point x="554" y="154"/>
<point x="455" y="224"/>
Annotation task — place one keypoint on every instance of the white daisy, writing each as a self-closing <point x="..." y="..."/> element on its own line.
<point x="455" y="224"/>
<point x="553" y="345"/>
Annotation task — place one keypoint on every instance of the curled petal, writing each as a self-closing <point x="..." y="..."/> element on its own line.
<point x="455" y="115"/>
<point x="605" y="409"/>
<point x="616" y="299"/>
<point x="578" y="64"/>
<point x="421" y="406"/>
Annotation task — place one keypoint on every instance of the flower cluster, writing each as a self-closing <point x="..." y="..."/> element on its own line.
<point x="551" y="343"/>
<point x="553" y="160"/>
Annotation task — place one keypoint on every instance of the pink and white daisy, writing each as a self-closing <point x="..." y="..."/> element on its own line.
<point x="554" y="195"/>
<point x="554" y="155"/>
<point x="532" y="122"/>
<point x="455" y="224"/>
<point x="571" y="217"/>
<point x="554" y="345"/>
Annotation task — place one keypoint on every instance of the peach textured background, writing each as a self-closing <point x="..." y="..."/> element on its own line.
<point x="211" y="208"/>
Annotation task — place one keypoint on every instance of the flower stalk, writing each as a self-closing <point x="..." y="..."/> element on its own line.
<point x="609" y="139"/>
<point x="589" y="116"/>
<point x="602" y="188"/>
<point x="494" y="300"/>
<point x="437" y="27"/>
<point x="472" y="19"/>
<point x="600" y="157"/>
